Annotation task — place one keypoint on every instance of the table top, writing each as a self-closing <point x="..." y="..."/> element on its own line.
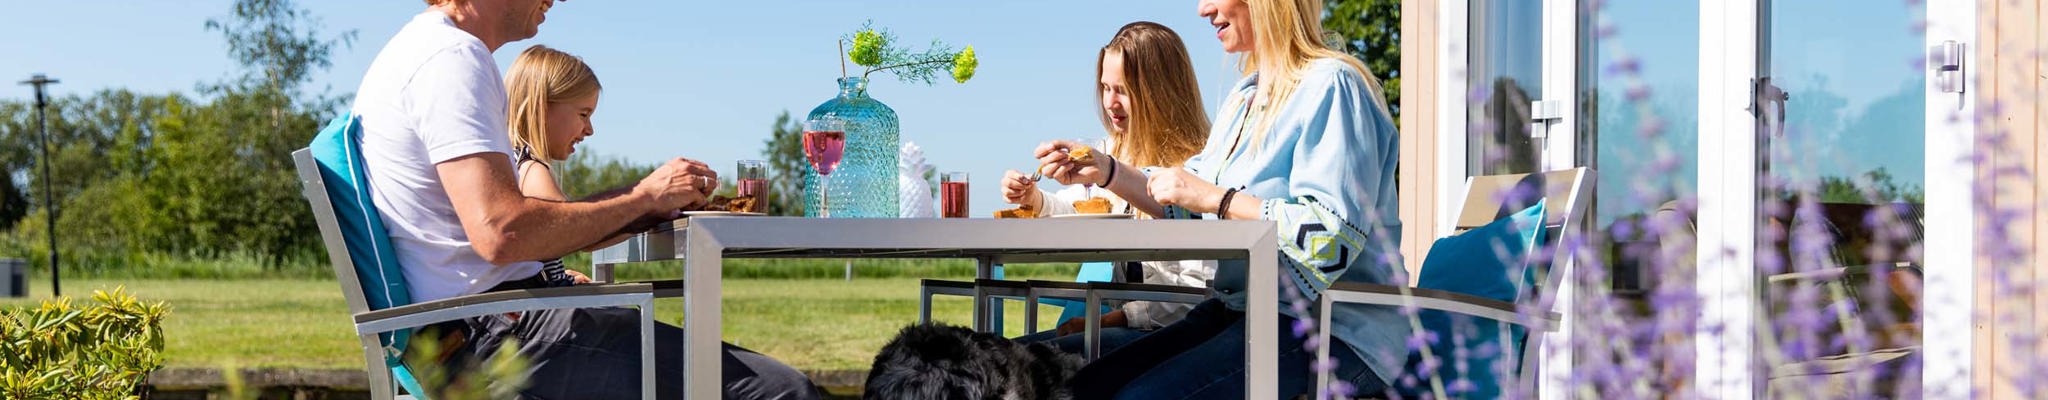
<point x="999" y="240"/>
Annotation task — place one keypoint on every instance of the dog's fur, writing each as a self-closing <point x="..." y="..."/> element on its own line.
<point x="951" y="362"/>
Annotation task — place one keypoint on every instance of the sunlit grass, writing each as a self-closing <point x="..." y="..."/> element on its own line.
<point x="811" y="324"/>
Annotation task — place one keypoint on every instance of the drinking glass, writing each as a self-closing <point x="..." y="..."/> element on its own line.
<point x="753" y="179"/>
<point x="953" y="195"/>
<point x="824" y="143"/>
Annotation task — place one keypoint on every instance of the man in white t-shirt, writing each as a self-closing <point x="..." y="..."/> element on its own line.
<point x="433" y="110"/>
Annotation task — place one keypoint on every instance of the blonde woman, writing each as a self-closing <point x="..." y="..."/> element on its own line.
<point x="1150" y="105"/>
<point x="1305" y="141"/>
<point x="552" y="95"/>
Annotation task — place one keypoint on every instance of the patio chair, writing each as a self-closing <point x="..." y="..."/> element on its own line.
<point x="359" y="249"/>
<point x="1490" y="202"/>
<point x="1870" y="368"/>
<point x="1093" y="295"/>
<point x="928" y="288"/>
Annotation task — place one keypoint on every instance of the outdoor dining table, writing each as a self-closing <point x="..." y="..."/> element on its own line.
<point x="704" y="242"/>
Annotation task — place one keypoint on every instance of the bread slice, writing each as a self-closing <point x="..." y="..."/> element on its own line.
<point x="1017" y="213"/>
<point x="1093" y="205"/>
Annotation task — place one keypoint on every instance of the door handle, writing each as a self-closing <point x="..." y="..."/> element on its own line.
<point x="1946" y="59"/>
<point x="1767" y="101"/>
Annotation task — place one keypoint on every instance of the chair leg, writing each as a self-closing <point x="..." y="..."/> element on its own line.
<point x="381" y="384"/>
<point x="1030" y="312"/>
<point x="647" y="348"/>
<point x="924" y="305"/>
<point x="601" y="273"/>
<point x="1323" y="348"/>
<point x="1092" y="326"/>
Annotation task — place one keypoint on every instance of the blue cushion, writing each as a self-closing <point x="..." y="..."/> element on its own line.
<point x="337" y="150"/>
<point x="1090" y="272"/>
<point x="1489" y="261"/>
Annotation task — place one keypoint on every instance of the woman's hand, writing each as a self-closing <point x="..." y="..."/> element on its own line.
<point x="1177" y="187"/>
<point x="1054" y="163"/>
<point x="577" y="277"/>
<point x="1019" y="189"/>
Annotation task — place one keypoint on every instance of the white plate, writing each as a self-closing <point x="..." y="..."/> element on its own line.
<point x="721" y="214"/>
<point x="1092" y="216"/>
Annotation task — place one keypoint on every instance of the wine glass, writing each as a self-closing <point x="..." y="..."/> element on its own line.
<point x="824" y="144"/>
<point x="1099" y="146"/>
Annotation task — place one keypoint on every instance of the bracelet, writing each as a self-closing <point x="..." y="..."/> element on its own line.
<point x="1112" y="174"/>
<point x="1223" y="207"/>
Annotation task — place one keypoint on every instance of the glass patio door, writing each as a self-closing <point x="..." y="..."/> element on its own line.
<point x="1832" y="198"/>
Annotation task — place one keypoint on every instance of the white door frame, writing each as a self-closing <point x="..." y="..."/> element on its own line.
<point x="1723" y="341"/>
<point x="1726" y="363"/>
<point x="1947" y="310"/>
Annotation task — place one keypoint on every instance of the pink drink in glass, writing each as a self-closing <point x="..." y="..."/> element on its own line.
<point x="823" y="149"/>
<point x="752" y="187"/>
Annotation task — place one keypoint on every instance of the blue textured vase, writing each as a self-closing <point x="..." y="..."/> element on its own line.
<point x="864" y="185"/>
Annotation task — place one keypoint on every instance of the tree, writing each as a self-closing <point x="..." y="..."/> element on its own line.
<point x="586" y="173"/>
<point x="785" y="154"/>
<point x="167" y="174"/>
<point x="1371" y="31"/>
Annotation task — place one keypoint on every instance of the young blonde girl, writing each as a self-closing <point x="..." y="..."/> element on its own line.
<point x="551" y="97"/>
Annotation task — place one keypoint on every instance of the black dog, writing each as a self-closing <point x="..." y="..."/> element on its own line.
<point x="951" y="362"/>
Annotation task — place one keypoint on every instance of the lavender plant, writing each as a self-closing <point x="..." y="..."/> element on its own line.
<point x="1628" y="347"/>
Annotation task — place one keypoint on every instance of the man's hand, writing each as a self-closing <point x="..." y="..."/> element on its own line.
<point x="679" y="184"/>
<point x="577" y="277"/>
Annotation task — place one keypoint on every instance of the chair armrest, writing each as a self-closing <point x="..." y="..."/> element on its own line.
<point x="663" y="289"/>
<point x="1002" y="288"/>
<point x="1074" y="291"/>
<point x="1150" y="292"/>
<point x="946" y="284"/>
<point x="1440" y="300"/>
<point x="1839" y="272"/>
<point x="454" y="308"/>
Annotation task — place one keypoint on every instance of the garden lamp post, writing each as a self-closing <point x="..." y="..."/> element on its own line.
<point x="50" y="214"/>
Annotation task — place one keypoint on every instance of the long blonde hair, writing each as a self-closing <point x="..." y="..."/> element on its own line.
<point x="1167" y="124"/>
<point x="1287" y="36"/>
<point x="541" y="76"/>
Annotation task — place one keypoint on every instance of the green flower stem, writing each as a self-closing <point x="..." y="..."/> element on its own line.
<point x="927" y="61"/>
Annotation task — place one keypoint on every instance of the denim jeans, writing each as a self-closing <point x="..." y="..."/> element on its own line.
<point x="1112" y="338"/>
<point x="594" y="353"/>
<point x="1203" y="357"/>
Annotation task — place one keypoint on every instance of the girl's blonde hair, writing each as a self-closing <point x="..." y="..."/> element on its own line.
<point x="1287" y="36"/>
<point x="541" y="76"/>
<point x="1167" y="124"/>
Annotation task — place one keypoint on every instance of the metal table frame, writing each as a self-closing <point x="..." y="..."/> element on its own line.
<point x="704" y="242"/>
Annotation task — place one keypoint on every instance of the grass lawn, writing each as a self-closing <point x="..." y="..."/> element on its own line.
<point x="812" y="324"/>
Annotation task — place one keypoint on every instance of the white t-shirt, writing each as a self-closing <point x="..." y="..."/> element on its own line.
<point x="432" y="95"/>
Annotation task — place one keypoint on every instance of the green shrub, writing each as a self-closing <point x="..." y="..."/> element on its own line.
<point x="104" y="350"/>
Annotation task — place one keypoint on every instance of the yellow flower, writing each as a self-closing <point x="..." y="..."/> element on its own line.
<point x="964" y="64"/>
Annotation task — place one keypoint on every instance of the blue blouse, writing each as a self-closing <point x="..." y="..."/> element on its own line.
<point x="1325" y="169"/>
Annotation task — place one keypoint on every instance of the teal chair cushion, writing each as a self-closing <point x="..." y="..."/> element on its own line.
<point x="1492" y="262"/>
<point x="337" y="149"/>
<point x="1090" y="272"/>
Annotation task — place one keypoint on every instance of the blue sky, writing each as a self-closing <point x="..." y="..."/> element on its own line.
<point x="682" y="78"/>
